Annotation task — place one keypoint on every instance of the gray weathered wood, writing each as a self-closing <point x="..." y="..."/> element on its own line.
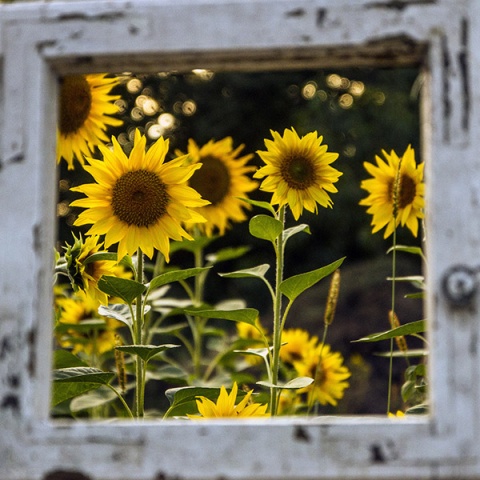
<point x="41" y="40"/>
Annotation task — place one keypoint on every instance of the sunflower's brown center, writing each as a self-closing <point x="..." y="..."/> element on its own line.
<point x="140" y="198"/>
<point x="75" y="103"/>
<point x="212" y="181"/>
<point x="407" y="190"/>
<point x="298" y="171"/>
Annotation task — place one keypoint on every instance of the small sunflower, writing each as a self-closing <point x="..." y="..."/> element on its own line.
<point x="85" y="275"/>
<point x="85" y="114"/>
<point x="396" y="192"/>
<point x="78" y="312"/>
<point x="330" y="382"/>
<point x="297" y="345"/>
<point x="139" y="201"/>
<point x="225" y="406"/>
<point x="222" y="181"/>
<point x="298" y="171"/>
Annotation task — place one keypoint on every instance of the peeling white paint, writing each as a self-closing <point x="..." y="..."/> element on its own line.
<point x="39" y="40"/>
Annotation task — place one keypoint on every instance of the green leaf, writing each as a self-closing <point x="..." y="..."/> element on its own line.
<point x="62" y="391"/>
<point x="260" y="204"/>
<point x="225" y="254"/>
<point x="292" y="287"/>
<point x="145" y="352"/>
<point x="83" y="326"/>
<point x="175" y="276"/>
<point x="245" y="315"/>
<point x="421" y="409"/>
<point x="407" y="249"/>
<point x="289" y="232"/>
<point x="71" y="382"/>
<point x="256" y="272"/>
<point x="100" y="256"/>
<point x="259" y="352"/>
<point x="407" y="329"/>
<point x="82" y="375"/>
<point x="299" y="382"/>
<point x="408" y="354"/>
<point x="265" y="227"/>
<point x="118" y="311"/>
<point x="66" y="359"/>
<point x="183" y="399"/>
<point x="94" y="398"/>
<point x="127" y="290"/>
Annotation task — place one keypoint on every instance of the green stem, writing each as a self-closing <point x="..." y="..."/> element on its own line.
<point x="127" y="409"/>
<point x="394" y="274"/>
<point x="277" y="314"/>
<point x="138" y="340"/>
<point x="311" y="400"/>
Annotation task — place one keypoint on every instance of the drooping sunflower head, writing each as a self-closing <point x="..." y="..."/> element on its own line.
<point x="330" y="375"/>
<point x="139" y="202"/>
<point x="222" y="180"/>
<point x="298" y="171"/>
<point x="225" y="406"/>
<point x="396" y="192"/>
<point x="85" y="272"/>
<point x="85" y="113"/>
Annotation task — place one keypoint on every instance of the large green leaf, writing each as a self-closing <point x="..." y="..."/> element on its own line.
<point x="175" y="276"/>
<point x="92" y="399"/>
<point x="419" y="326"/>
<point x="118" y="311"/>
<point x="127" y="290"/>
<point x="66" y="359"/>
<point x="74" y="381"/>
<point x="100" y="256"/>
<point x="292" y="287"/>
<point x="256" y="272"/>
<point x="289" y="232"/>
<point x="245" y="315"/>
<point x="145" y="352"/>
<point x="265" y="227"/>
<point x="82" y="374"/>
<point x="298" y="382"/>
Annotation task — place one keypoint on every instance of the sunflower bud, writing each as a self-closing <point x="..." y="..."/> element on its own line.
<point x="395" y="323"/>
<point x="332" y="298"/>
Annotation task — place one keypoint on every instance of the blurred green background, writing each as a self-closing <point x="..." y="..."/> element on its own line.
<point x="359" y="112"/>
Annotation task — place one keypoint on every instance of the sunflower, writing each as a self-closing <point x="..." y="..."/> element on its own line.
<point x="225" y="406"/>
<point x="330" y="376"/>
<point x="298" y="171"/>
<point x="139" y="201"/>
<point x="396" y="192"/>
<point x="94" y="338"/>
<point x="85" y="113"/>
<point x="222" y="181"/>
<point x="85" y="274"/>
<point x="297" y="344"/>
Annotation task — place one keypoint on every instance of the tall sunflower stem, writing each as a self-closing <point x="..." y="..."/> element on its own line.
<point x="198" y="323"/>
<point x="138" y="340"/>
<point x="394" y="274"/>
<point x="277" y="314"/>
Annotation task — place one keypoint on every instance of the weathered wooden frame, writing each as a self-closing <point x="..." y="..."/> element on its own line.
<point x="41" y="40"/>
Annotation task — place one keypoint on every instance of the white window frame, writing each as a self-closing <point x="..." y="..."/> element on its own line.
<point x="41" y="40"/>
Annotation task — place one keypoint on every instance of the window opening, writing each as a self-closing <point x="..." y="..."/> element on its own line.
<point x="359" y="113"/>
